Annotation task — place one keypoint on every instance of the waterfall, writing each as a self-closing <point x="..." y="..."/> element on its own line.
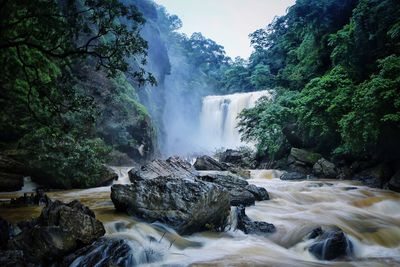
<point x="218" y="118"/>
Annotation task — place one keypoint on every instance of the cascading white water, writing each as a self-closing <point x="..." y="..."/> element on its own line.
<point x="218" y="118"/>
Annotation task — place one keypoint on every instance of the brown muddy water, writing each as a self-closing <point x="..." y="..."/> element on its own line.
<point x="370" y="218"/>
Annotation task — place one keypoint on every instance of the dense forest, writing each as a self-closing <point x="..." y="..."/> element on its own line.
<point x="334" y="70"/>
<point x="85" y="83"/>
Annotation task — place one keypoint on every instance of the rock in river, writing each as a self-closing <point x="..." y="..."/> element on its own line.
<point x="186" y="205"/>
<point x="172" y="166"/>
<point x="245" y="224"/>
<point x="207" y="163"/>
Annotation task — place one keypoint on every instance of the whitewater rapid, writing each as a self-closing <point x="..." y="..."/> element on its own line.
<point x="369" y="217"/>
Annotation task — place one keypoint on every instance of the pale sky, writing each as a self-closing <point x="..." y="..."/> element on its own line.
<point x="228" y="22"/>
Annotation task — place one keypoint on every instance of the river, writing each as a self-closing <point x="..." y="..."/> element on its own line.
<point x="370" y="218"/>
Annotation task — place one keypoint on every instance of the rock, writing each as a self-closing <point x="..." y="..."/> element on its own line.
<point x="240" y="158"/>
<point x="38" y="198"/>
<point x="376" y="176"/>
<point x="259" y="193"/>
<point x="292" y="176"/>
<point x="43" y="244"/>
<point x="240" y="196"/>
<point x="329" y="244"/>
<point x="10" y="182"/>
<point x="156" y="168"/>
<point x="394" y="183"/>
<point x="305" y="157"/>
<point x="325" y="169"/>
<point x="206" y="163"/>
<point x="12" y="258"/>
<point x="4" y="233"/>
<point x="241" y="172"/>
<point x="104" y="252"/>
<point x="60" y="229"/>
<point x="186" y="205"/>
<point x="74" y="218"/>
<point x="240" y="191"/>
<point x="245" y="224"/>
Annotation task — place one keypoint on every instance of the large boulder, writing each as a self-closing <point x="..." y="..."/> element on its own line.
<point x="156" y="168"/>
<point x="240" y="192"/>
<point x="325" y="169"/>
<point x="206" y="163"/>
<point x="245" y="224"/>
<point x="304" y="157"/>
<point x="241" y="158"/>
<point x="76" y="219"/>
<point x="44" y="244"/>
<point x="376" y="176"/>
<point x="329" y="244"/>
<point x="60" y="229"/>
<point x="186" y="205"/>
<point x="394" y="183"/>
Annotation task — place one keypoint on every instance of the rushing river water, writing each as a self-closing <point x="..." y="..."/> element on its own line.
<point x="370" y="218"/>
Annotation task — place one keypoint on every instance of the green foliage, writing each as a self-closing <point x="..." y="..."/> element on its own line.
<point x="50" y="105"/>
<point x="263" y="124"/>
<point x="343" y="59"/>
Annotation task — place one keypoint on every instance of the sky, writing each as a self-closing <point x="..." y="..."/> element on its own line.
<point x="228" y="22"/>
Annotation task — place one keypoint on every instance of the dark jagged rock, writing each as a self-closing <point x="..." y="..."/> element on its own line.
<point x="60" y="229"/>
<point x="241" y="193"/>
<point x="394" y="183"/>
<point x="156" y="168"/>
<point x="238" y="158"/>
<point x="240" y="196"/>
<point x="186" y="205"/>
<point x="292" y="176"/>
<point x="325" y="169"/>
<point x="43" y="244"/>
<point x="329" y="244"/>
<point x="76" y="219"/>
<point x="376" y="176"/>
<point x="4" y="233"/>
<point x="38" y="198"/>
<point x="10" y="182"/>
<point x="104" y="252"/>
<point x="259" y="193"/>
<point x="206" y="163"/>
<point x="12" y="258"/>
<point x="245" y="224"/>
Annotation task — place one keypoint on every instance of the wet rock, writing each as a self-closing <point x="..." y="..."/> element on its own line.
<point x="245" y="224"/>
<point x="10" y="182"/>
<point x="259" y="193"/>
<point x="38" y="198"/>
<point x="74" y="218"/>
<point x="325" y="169"/>
<point x="156" y="168"/>
<point x="376" y="176"/>
<point x="4" y="233"/>
<point x="302" y="156"/>
<point x="394" y="183"/>
<point x="329" y="244"/>
<point x="186" y="205"/>
<point x="12" y="258"/>
<point x="292" y="176"/>
<point x="206" y="163"/>
<point x="104" y="252"/>
<point x="240" y="192"/>
<point x="239" y="158"/>
<point x="240" y="196"/>
<point x="43" y="244"/>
